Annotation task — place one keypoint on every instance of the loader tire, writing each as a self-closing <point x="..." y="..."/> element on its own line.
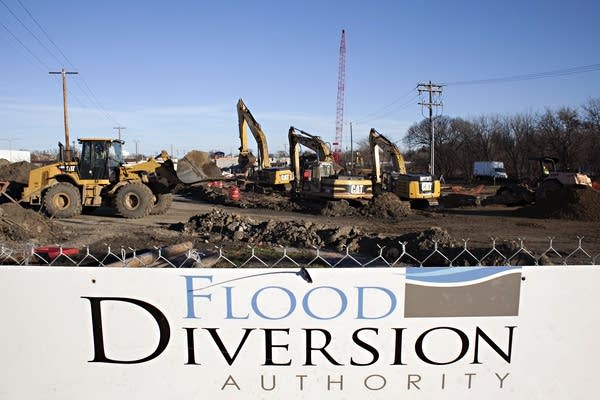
<point x="134" y="200"/>
<point x="162" y="203"/>
<point x="62" y="200"/>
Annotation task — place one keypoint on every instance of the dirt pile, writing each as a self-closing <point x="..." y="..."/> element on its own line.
<point x="567" y="203"/>
<point x="20" y="226"/>
<point x="251" y="200"/>
<point x="222" y="227"/>
<point x="511" y="194"/>
<point x="388" y="206"/>
<point x="218" y="226"/>
<point x="455" y="200"/>
<point x="18" y="175"/>
<point x="16" y="172"/>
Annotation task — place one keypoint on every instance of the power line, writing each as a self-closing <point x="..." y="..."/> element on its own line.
<point x="45" y="33"/>
<point x="29" y="30"/>
<point x="383" y="114"/>
<point x="43" y="64"/>
<point x="524" y="77"/>
<point x="368" y="116"/>
<point x="92" y="96"/>
<point x="87" y="91"/>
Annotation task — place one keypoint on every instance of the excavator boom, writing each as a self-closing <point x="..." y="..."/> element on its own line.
<point x="377" y="141"/>
<point x="265" y="177"/>
<point x="246" y="120"/>
<point x="420" y="190"/>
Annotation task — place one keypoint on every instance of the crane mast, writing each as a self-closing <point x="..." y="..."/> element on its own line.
<point x="339" y="120"/>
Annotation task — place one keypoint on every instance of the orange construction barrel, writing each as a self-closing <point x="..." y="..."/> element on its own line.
<point x="234" y="193"/>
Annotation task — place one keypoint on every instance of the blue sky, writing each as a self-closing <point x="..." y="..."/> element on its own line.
<point x="171" y="72"/>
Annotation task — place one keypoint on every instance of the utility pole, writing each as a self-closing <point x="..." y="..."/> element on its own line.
<point x="432" y="89"/>
<point x="66" y="116"/>
<point x="118" y="128"/>
<point x="136" y="149"/>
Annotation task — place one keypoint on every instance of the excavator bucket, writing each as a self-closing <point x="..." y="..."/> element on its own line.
<point x="196" y="166"/>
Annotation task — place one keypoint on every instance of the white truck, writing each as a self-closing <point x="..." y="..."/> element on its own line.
<point x="489" y="169"/>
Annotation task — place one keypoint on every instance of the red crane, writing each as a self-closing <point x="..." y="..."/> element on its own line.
<point x="339" y="117"/>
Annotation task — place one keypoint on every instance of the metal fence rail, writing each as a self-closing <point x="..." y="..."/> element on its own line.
<point x="400" y="254"/>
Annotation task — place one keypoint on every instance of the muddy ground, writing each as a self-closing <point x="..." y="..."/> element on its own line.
<point x="206" y="217"/>
<point x="209" y="219"/>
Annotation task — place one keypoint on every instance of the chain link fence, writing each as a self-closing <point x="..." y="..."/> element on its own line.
<point x="401" y="254"/>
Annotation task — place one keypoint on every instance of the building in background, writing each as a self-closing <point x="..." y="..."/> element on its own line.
<point x="15" y="155"/>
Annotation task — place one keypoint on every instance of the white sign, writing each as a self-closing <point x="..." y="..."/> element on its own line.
<point x="376" y="333"/>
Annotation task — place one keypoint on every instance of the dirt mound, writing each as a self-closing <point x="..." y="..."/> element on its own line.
<point x="456" y="200"/>
<point x="21" y="226"/>
<point x="338" y="208"/>
<point x="220" y="195"/>
<point x="567" y="203"/>
<point x="18" y="175"/>
<point x="16" y="172"/>
<point x="219" y="227"/>
<point x="388" y="206"/>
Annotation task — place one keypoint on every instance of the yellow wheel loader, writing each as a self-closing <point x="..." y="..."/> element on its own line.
<point x="99" y="177"/>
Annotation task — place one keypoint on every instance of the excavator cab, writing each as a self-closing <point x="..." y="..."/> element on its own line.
<point x="100" y="159"/>
<point x="316" y="176"/>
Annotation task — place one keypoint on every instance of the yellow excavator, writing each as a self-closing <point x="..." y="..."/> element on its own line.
<point x="420" y="190"/>
<point x="263" y="177"/>
<point x="318" y="177"/>
<point x="100" y="177"/>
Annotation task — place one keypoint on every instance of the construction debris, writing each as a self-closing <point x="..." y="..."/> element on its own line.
<point x="218" y="226"/>
<point x="155" y="258"/>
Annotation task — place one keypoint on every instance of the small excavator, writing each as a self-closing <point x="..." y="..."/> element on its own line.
<point x="263" y="177"/>
<point x="420" y="190"/>
<point x="100" y="177"/>
<point x="318" y="177"/>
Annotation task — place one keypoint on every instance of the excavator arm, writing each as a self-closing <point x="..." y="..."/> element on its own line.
<point x="378" y="141"/>
<point x="246" y="120"/>
<point x="420" y="190"/>
<point x="299" y="137"/>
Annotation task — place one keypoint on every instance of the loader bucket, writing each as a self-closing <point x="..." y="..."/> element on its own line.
<point x="196" y="166"/>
